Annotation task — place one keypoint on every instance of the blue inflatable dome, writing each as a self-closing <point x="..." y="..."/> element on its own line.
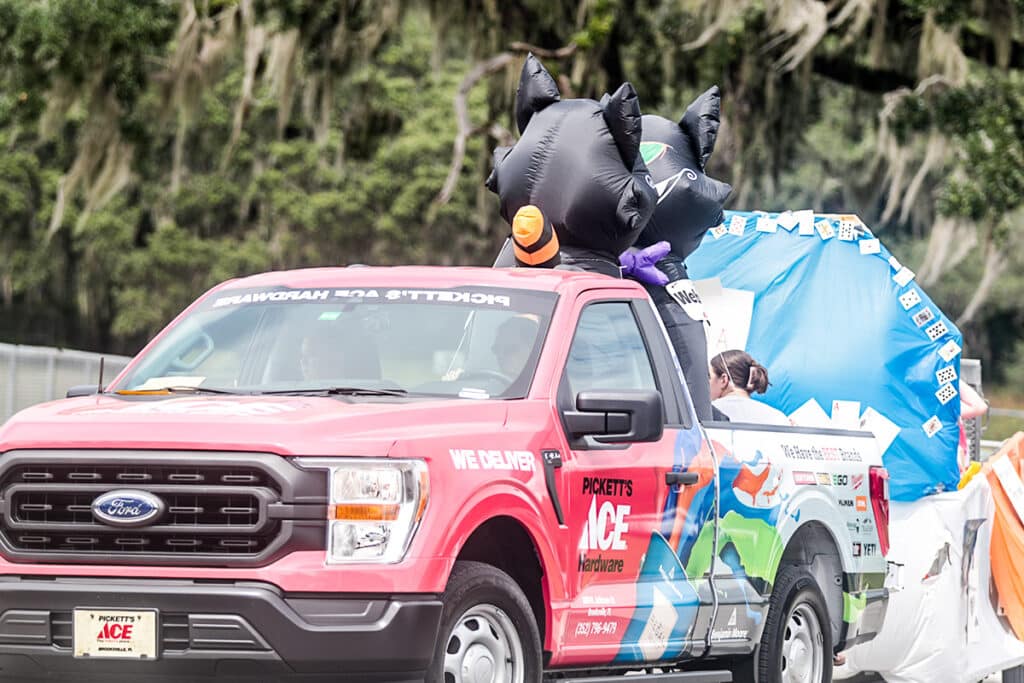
<point x="837" y="317"/>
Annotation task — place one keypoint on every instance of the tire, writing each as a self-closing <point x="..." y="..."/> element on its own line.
<point x="1014" y="675"/>
<point x="486" y="620"/>
<point x="796" y="628"/>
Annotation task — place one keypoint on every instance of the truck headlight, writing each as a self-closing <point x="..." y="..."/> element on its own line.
<point x="374" y="506"/>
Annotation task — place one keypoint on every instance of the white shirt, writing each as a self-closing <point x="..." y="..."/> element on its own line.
<point x="743" y="409"/>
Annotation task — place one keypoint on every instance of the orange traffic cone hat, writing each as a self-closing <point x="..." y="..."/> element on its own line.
<point x="534" y="240"/>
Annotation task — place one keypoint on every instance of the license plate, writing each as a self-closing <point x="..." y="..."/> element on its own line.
<point x="126" y="634"/>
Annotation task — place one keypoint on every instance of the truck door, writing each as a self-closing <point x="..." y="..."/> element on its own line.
<point x="632" y="599"/>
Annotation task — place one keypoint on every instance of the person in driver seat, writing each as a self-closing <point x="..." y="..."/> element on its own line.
<point x="513" y="342"/>
<point x="321" y="357"/>
<point x="339" y="351"/>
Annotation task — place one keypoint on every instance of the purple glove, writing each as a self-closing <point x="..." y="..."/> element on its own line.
<point x="639" y="263"/>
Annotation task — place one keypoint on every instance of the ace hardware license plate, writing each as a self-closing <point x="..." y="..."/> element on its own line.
<point x="124" y="634"/>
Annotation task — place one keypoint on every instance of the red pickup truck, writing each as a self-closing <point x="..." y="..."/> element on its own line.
<point x="451" y="474"/>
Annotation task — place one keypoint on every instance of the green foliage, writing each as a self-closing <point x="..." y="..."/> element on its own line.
<point x="334" y="149"/>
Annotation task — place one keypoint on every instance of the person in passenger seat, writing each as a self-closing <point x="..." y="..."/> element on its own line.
<point x="734" y="375"/>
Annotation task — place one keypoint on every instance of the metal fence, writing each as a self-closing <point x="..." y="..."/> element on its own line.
<point x="34" y="374"/>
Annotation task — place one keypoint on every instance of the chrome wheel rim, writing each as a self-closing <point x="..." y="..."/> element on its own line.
<point x="803" y="655"/>
<point x="483" y="647"/>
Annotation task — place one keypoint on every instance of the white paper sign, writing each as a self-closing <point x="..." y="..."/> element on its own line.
<point x="884" y="429"/>
<point x="910" y="299"/>
<point x="810" y="414"/>
<point x="786" y="220"/>
<point x="736" y="225"/>
<point x="848" y="228"/>
<point x="805" y="219"/>
<point x="903" y="276"/>
<point x="949" y="350"/>
<point x="728" y="311"/>
<point x="946" y="374"/>
<point x="846" y="414"/>
<point x="946" y="393"/>
<point x="685" y="294"/>
<point x="871" y="246"/>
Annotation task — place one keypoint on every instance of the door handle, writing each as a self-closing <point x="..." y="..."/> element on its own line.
<point x="681" y="478"/>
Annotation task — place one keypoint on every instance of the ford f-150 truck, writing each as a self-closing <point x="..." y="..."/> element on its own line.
<point x="452" y="474"/>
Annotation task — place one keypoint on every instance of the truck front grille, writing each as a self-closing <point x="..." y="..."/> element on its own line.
<point x="221" y="509"/>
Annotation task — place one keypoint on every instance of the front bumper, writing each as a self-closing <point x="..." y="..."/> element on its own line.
<point x="223" y="629"/>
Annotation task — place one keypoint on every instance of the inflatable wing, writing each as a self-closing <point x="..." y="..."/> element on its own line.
<point x="837" y="318"/>
<point x="689" y="202"/>
<point x="578" y="161"/>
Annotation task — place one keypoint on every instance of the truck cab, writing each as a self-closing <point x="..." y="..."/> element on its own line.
<point x="441" y="474"/>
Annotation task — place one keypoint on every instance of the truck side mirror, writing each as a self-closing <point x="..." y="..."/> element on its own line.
<point x="83" y="390"/>
<point x="621" y="416"/>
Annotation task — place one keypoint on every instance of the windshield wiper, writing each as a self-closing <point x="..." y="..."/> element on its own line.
<point x="342" y="391"/>
<point x="184" y="389"/>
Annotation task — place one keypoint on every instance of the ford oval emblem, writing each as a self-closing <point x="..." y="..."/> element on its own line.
<point x="127" y="508"/>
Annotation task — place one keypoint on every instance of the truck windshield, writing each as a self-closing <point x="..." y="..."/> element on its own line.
<point x="470" y="342"/>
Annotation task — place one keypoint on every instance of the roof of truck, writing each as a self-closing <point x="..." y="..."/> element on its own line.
<point x="544" y="279"/>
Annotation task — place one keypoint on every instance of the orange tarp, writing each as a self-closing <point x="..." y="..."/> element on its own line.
<point x="1007" y="550"/>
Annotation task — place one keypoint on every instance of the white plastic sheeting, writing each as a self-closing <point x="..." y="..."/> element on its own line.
<point x="943" y="625"/>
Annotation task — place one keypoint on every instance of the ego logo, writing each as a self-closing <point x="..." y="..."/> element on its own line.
<point x="605" y="526"/>
<point x="840" y="479"/>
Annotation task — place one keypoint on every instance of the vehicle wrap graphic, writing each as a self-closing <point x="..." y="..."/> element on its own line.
<point x="657" y="612"/>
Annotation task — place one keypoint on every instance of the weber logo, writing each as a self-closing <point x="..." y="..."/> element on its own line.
<point x="605" y="527"/>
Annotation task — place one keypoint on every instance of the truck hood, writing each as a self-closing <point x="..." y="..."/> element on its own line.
<point x="286" y="425"/>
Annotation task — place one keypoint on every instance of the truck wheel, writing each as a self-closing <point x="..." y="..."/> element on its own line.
<point x="796" y="645"/>
<point x="488" y="632"/>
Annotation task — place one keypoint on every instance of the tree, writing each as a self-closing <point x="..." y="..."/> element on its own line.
<point x="153" y="149"/>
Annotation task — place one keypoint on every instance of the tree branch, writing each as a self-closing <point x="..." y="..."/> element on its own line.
<point x="862" y="77"/>
<point x="560" y="53"/>
<point x="496" y="63"/>
<point x="995" y="264"/>
<point x="466" y="128"/>
<point x="982" y="48"/>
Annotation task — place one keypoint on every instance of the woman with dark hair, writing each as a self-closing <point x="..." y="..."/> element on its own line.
<point x="734" y="376"/>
